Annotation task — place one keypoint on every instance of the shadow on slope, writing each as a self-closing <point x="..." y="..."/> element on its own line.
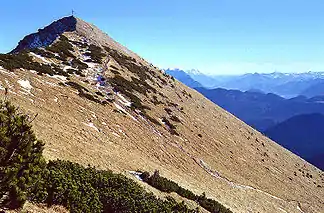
<point x="303" y="135"/>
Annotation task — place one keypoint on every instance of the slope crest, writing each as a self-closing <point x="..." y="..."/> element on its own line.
<point x="100" y="104"/>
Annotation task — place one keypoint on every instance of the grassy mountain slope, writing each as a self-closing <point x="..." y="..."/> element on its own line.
<point x="153" y="122"/>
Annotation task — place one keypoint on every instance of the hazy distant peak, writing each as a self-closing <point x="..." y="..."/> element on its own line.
<point x="193" y="72"/>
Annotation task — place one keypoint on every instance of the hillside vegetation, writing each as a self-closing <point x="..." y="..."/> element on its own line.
<point x="111" y="109"/>
<point x="24" y="175"/>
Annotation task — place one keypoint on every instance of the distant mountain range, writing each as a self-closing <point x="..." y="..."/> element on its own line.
<point x="296" y="123"/>
<point x="287" y="85"/>
<point x="99" y="104"/>
<point x="314" y="90"/>
<point x="260" y="110"/>
<point x="286" y="121"/>
<point x="303" y="135"/>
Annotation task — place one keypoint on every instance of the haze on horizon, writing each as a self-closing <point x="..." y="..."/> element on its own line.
<point x="216" y="37"/>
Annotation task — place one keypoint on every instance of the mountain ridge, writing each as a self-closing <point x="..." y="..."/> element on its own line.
<point x="287" y="85"/>
<point x="46" y="36"/>
<point x="255" y="107"/>
<point x="101" y="106"/>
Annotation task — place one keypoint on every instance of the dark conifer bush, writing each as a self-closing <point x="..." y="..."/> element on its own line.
<point x="172" y="127"/>
<point x="90" y="190"/>
<point x="96" y="53"/>
<point x="25" y="61"/>
<point x="16" y="61"/>
<point x="85" y="93"/>
<point x="165" y="185"/>
<point x="76" y="63"/>
<point x="21" y="161"/>
<point x="175" y="118"/>
<point x="156" y="101"/>
<point x="43" y="53"/>
<point x="24" y="175"/>
<point x="62" y="47"/>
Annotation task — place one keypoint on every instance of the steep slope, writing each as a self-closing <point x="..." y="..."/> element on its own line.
<point x="33" y="208"/>
<point x="98" y="103"/>
<point x="303" y="135"/>
<point x="262" y="110"/>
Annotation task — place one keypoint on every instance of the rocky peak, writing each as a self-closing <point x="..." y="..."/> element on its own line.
<point x="46" y="36"/>
<point x="113" y="110"/>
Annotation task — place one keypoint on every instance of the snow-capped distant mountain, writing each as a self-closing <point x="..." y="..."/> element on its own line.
<point x="114" y="110"/>
<point x="290" y="76"/>
<point x="194" y="72"/>
<point x="284" y="84"/>
<point x="204" y="80"/>
<point x="287" y="85"/>
<point x="183" y="77"/>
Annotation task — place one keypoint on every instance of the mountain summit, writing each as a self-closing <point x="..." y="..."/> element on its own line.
<point x="98" y="103"/>
<point x="46" y="36"/>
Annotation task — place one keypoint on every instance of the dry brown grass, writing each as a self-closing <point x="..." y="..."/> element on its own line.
<point x="37" y="208"/>
<point x="261" y="170"/>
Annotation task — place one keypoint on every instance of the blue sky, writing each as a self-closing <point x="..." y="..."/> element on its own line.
<point x="214" y="36"/>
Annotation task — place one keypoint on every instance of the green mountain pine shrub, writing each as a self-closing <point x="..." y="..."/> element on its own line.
<point x="165" y="185"/>
<point x="21" y="161"/>
<point x="24" y="175"/>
